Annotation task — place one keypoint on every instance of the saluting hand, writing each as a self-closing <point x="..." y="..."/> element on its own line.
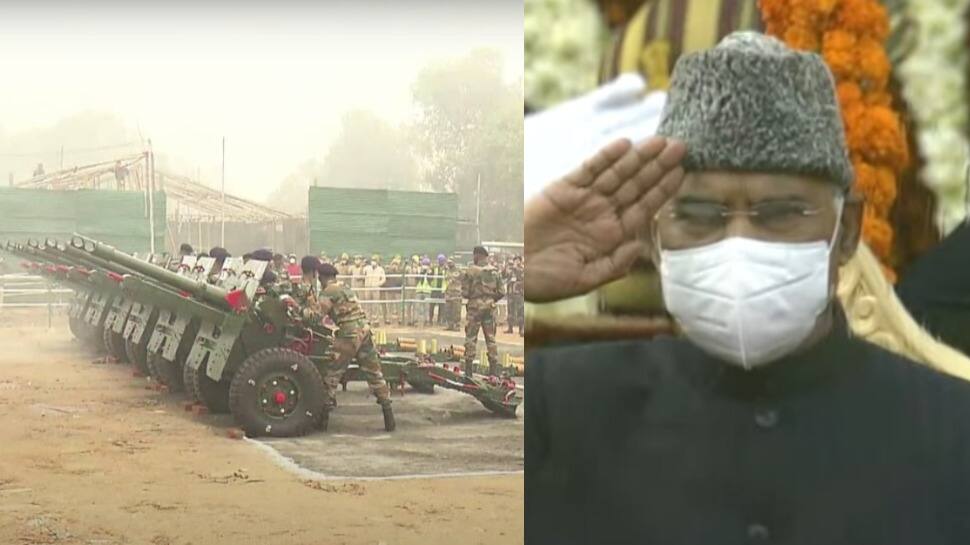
<point x="581" y="231"/>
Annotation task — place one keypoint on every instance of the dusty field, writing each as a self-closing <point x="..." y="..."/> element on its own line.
<point x="444" y="433"/>
<point x="89" y="456"/>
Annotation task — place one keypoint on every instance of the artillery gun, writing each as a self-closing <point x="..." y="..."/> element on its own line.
<point x="232" y="344"/>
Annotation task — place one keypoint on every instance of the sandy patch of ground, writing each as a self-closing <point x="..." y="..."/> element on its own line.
<point x="91" y="457"/>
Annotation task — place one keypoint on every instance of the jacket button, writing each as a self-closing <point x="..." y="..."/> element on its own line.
<point x="766" y="419"/>
<point x="758" y="532"/>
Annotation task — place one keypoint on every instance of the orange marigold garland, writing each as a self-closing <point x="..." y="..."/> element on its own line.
<point x="851" y="35"/>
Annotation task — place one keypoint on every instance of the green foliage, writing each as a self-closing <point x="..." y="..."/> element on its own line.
<point x="470" y="125"/>
<point x="368" y="153"/>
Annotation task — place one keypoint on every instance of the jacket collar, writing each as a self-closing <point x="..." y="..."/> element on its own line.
<point x="828" y="360"/>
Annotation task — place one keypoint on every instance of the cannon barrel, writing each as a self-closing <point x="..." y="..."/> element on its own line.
<point x="201" y="290"/>
<point x="85" y="259"/>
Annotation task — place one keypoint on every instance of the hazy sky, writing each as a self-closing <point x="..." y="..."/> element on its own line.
<point x="274" y="78"/>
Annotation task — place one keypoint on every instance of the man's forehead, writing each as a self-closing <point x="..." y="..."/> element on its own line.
<point x="753" y="185"/>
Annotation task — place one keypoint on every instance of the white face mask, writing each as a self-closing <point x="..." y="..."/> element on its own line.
<point x="747" y="301"/>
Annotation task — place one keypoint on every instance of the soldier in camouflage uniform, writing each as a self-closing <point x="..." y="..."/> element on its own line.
<point x="516" y="292"/>
<point x="353" y="340"/>
<point x="453" y="297"/>
<point x="482" y="286"/>
<point x="305" y="291"/>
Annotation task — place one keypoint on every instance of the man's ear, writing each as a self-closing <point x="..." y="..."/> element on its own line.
<point x="851" y="227"/>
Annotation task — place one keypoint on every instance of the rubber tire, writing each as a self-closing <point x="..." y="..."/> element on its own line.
<point x="114" y="343"/>
<point x="138" y="356"/>
<point x="75" y="326"/>
<point x="95" y="340"/>
<point x="214" y="395"/>
<point x="85" y="334"/>
<point x="242" y="395"/>
<point x="166" y="372"/>
<point x="189" y="384"/>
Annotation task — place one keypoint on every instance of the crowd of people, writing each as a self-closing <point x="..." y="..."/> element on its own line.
<point x="415" y="291"/>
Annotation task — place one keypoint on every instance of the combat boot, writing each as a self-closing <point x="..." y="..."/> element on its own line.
<point x="389" y="424"/>
<point x="324" y="419"/>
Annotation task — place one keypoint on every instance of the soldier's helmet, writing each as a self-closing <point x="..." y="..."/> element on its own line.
<point x="480" y="250"/>
<point x="375" y="257"/>
<point x="344" y="257"/>
<point x="415" y="259"/>
<point x="426" y="261"/>
<point x="442" y="259"/>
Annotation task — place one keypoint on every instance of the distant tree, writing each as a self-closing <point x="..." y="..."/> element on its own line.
<point x="470" y="125"/>
<point x="368" y="152"/>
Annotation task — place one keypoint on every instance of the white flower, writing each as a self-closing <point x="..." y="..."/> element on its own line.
<point x="934" y="85"/>
<point x="564" y="42"/>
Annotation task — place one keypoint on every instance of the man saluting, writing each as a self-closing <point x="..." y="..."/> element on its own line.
<point x="768" y="422"/>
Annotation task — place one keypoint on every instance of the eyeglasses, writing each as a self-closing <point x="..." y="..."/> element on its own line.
<point x="688" y="223"/>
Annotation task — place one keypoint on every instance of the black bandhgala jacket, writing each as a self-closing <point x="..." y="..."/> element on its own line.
<point x="655" y="442"/>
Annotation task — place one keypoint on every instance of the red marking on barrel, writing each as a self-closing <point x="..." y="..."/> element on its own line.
<point x="279" y="398"/>
<point x="115" y="276"/>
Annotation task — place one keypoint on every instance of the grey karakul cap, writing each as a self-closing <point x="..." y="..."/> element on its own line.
<point x="754" y="104"/>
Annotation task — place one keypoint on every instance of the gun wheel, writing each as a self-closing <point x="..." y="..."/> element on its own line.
<point x="277" y="392"/>
<point x="114" y="343"/>
<point x="138" y="356"/>
<point x="213" y="394"/>
<point x="76" y="326"/>
<point x="88" y="335"/>
<point x="189" y="383"/>
<point x="166" y="372"/>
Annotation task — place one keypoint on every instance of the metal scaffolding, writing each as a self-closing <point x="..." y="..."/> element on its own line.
<point x="188" y="200"/>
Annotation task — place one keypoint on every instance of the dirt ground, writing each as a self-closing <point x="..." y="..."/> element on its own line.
<point x="91" y="457"/>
